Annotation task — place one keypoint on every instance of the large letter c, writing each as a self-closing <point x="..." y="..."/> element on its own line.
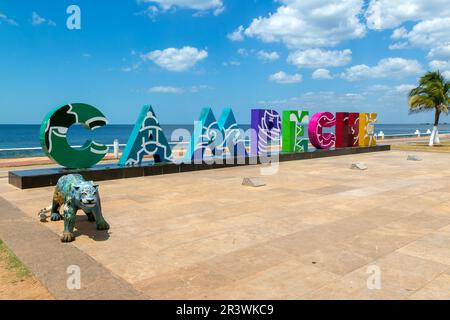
<point x="53" y="135"/>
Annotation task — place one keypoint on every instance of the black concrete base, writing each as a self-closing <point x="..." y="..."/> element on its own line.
<point x="28" y="179"/>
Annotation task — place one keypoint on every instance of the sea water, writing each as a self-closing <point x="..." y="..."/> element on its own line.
<point x="27" y="136"/>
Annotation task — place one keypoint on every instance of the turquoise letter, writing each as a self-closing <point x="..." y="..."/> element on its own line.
<point x="218" y="136"/>
<point x="147" y="138"/>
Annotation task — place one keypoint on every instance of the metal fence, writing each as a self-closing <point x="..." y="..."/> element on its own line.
<point x="116" y="146"/>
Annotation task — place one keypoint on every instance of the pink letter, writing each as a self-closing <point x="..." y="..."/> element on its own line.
<point x="319" y="139"/>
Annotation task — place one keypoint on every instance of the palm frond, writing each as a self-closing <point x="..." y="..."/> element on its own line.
<point x="447" y="88"/>
<point x="443" y="108"/>
<point x="420" y="103"/>
<point x="432" y="76"/>
<point x="432" y="93"/>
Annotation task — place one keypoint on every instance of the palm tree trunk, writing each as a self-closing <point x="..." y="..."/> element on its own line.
<point x="434" y="139"/>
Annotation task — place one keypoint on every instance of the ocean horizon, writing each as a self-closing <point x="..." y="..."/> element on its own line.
<point x="19" y="136"/>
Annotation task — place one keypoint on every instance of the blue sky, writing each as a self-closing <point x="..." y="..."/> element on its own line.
<point x="182" y="55"/>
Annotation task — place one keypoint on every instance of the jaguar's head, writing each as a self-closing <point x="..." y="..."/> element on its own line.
<point x="86" y="194"/>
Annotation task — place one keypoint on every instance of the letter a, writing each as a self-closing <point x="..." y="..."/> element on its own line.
<point x="147" y="138"/>
<point x="74" y="20"/>
<point x="207" y="135"/>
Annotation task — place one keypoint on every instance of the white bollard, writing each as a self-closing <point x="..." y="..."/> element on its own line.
<point x="417" y="133"/>
<point x="116" y="148"/>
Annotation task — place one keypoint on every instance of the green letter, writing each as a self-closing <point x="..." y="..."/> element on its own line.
<point x="53" y="135"/>
<point x="293" y="131"/>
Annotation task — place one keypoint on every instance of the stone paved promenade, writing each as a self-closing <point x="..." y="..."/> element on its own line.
<point x="311" y="233"/>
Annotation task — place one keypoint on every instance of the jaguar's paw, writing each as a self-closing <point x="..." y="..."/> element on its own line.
<point x="56" y="217"/>
<point x="102" y="225"/>
<point x="67" y="237"/>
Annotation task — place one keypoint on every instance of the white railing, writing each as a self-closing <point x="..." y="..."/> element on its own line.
<point x="415" y="134"/>
<point x="380" y="135"/>
<point x="108" y="145"/>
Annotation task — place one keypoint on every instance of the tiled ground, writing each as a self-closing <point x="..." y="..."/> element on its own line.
<point x="311" y="233"/>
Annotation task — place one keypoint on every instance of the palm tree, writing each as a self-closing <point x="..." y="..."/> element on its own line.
<point x="433" y="92"/>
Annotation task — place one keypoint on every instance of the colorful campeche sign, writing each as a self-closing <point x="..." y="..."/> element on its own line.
<point x="53" y="135"/>
<point x="218" y="136"/>
<point x="318" y="138"/>
<point x="294" y="125"/>
<point x="222" y="137"/>
<point x="347" y="129"/>
<point x="147" y="138"/>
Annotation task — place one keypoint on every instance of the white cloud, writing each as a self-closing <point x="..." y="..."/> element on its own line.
<point x="4" y="18"/>
<point x="166" y="89"/>
<point x="404" y="88"/>
<point x="398" y="45"/>
<point x="232" y="63"/>
<point x="308" y="23"/>
<point x="386" y="68"/>
<point x="37" y="20"/>
<point x="315" y="101"/>
<point x="379" y="87"/>
<point x="284" y="78"/>
<point x="431" y="19"/>
<point x="317" y="58"/>
<point x="322" y="74"/>
<point x="131" y="68"/>
<point x="219" y="10"/>
<point x="399" y="33"/>
<point x="442" y="51"/>
<point x="200" y="5"/>
<point x="390" y="97"/>
<point x="242" y="52"/>
<point x="178" y="60"/>
<point x="151" y="12"/>
<point x="237" y="35"/>
<point x="392" y="90"/>
<point x="388" y="14"/>
<point x="177" y="90"/>
<point x="442" y="66"/>
<point x="267" y="56"/>
<point x="430" y="33"/>
<point x="202" y="87"/>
